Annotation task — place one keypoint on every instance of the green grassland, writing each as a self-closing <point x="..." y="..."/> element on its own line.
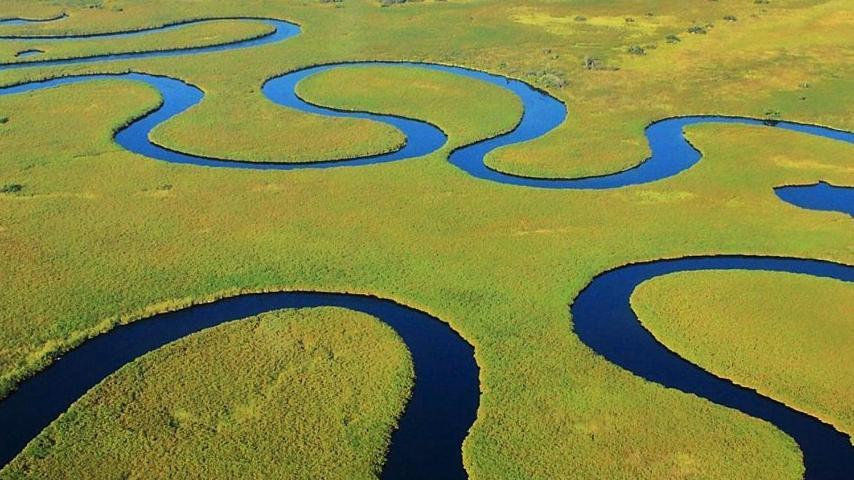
<point x="473" y="109"/>
<point x="371" y="88"/>
<point x="785" y="335"/>
<point x="212" y="33"/>
<point x="295" y="394"/>
<point x="98" y="236"/>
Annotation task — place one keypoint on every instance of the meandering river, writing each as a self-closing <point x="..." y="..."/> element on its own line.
<point x="445" y="398"/>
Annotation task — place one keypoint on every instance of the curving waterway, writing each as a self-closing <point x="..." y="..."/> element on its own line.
<point x="445" y="397"/>
<point x="281" y="30"/>
<point x="25" y="21"/>
<point x="604" y="320"/>
<point x="819" y="196"/>
<point x="426" y="444"/>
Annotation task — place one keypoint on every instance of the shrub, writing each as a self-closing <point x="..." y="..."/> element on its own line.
<point x="772" y="117"/>
<point x="672" y="38"/>
<point x="730" y="18"/>
<point x="580" y="18"/>
<point x="553" y="81"/>
<point x="11" y="188"/>
<point x="592" y="63"/>
<point x="697" y="30"/>
<point x="636" y="50"/>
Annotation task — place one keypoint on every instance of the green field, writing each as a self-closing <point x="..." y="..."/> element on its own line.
<point x="96" y="236"/>
<point x="265" y="421"/>
<point x="784" y="335"/>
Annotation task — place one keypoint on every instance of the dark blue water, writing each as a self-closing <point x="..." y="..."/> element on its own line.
<point x="819" y="196"/>
<point x="29" y="53"/>
<point x="25" y="21"/>
<point x="604" y="320"/>
<point x="426" y="445"/>
<point x="671" y="152"/>
<point x="283" y="31"/>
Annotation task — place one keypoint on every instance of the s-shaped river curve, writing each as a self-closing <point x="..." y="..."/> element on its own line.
<point x="671" y="154"/>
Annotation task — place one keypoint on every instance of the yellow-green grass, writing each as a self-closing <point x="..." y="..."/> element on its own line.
<point x="287" y="136"/>
<point x="546" y="245"/>
<point x="475" y="109"/>
<point x="785" y="335"/>
<point x="98" y="235"/>
<point x="293" y="394"/>
<point x="768" y="60"/>
<point x="194" y="35"/>
<point x="381" y="89"/>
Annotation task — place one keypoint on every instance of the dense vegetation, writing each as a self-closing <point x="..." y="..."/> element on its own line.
<point x="448" y="98"/>
<point x="784" y="335"/>
<point x="294" y="394"/>
<point x="91" y="239"/>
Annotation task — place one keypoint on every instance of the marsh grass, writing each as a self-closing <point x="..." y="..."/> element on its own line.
<point x="90" y="246"/>
<point x="452" y="101"/>
<point x="772" y="332"/>
<point x="209" y="33"/>
<point x="291" y="394"/>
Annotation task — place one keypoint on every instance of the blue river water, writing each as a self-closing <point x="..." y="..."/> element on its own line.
<point x="282" y="30"/>
<point x="30" y="52"/>
<point x="26" y="21"/>
<point x="604" y="320"/>
<point x="427" y="443"/>
<point x="819" y="196"/>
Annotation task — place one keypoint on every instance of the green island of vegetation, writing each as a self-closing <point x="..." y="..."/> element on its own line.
<point x="785" y="335"/>
<point x="295" y="394"/>
<point x="92" y="236"/>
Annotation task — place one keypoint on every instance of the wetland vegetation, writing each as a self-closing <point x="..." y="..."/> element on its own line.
<point x="89" y="239"/>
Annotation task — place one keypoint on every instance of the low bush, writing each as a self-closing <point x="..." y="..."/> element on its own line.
<point x="11" y="188"/>
<point x="636" y="50"/>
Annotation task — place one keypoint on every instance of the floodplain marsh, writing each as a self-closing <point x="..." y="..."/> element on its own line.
<point x="97" y="236"/>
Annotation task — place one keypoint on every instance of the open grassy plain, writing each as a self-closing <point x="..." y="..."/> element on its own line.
<point x="97" y="236"/>
<point x="308" y="394"/>
<point x="785" y="335"/>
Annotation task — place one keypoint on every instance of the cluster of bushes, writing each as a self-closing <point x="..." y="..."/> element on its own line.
<point x="11" y="188"/>
<point x="772" y="117"/>
<point x="592" y="63"/>
<point x="553" y="81"/>
<point x="636" y="50"/>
